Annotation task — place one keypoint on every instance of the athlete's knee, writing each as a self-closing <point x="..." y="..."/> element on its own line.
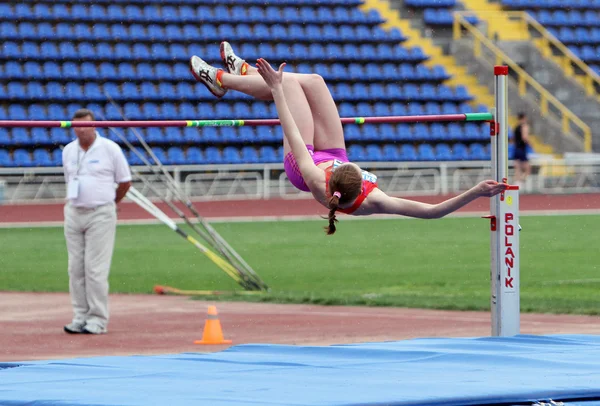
<point x="317" y="79"/>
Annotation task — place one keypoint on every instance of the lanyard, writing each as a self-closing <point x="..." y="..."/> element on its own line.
<point x="79" y="160"/>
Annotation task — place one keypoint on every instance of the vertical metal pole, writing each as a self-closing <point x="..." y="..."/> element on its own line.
<point x="505" y="303"/>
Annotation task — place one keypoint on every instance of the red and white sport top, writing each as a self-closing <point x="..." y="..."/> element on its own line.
<point x="368" y="184"/>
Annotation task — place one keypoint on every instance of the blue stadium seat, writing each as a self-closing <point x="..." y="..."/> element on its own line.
<point x="41" y="157"/>
<point x="173" y="136"/>
<point x="460" y="152"/>
<point x="391" y="153"/>
<point x="398" y="109"/>
<point x="57" y="157"/>
<point x="22" y="158"/>
<point x="15" y="90"/>
<point x="40" y="11"/>
<point x="187" y="111"/>
<point x="438" y="131"/>
<point x="82" y="32"/>
<point x="381" y="109"/>
<point x="49" y="50"/>
<point x="37" y="112"/>
<point x="89" y="70"/>
<point x="443" y="153"/>
<point x="56" y="111"/>
<point x="121" y="51"/>
<point x="408" y="153"/>
<point x="268" y="155"/>
<point x="17" y="112"/>
<point x="137" y="32"/>
<point x="67" y="51"/>
<point x="11" y="50"/>
<point x="20" y="137"/>
<point x="30" y="50"/>
<point x="74" y="91"/>
<point x="356" y="153"/>
<point x="160" y="154"/>
<point x="132" y="111"/>
<point x="154" y="135"/>
<point x="27" y="30"/>
<point x="213" y="155"/>
<point x="455" y="131"/>
<point x="194" y="156"/>
<point x="249" y="155"/>
<point x="477" y="152"/>
<point x="426" y="152"/>
<point x="13" y="70"/>
<point x="5" y="138"/>
<point x="176" y="156"/>
<point x="59" y="136"/>
<point x="23" y="11"/>
<point x="100" y="32"/>
<point x="5" y="158"/>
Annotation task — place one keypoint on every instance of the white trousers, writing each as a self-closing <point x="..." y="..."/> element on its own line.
<point x="90" y="237"/>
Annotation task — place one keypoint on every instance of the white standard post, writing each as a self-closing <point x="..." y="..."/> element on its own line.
<point x="505" y="301"/>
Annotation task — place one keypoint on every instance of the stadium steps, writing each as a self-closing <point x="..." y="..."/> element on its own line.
<point x="460" y="76"/>
<point x="564" y="63"/>
<point x="497" y="20"/>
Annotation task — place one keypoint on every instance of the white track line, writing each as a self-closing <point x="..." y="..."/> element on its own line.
<point x="246" y="219"/>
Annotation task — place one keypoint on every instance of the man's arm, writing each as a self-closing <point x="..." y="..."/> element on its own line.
<point x="122" y="174"/>
<point x="122" y="191"/>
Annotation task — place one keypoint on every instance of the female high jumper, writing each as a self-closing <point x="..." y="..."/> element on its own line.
<point x="314" y="148"/>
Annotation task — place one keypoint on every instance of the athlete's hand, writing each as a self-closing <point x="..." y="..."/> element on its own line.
<point x="272" y="78"/>
<point x="489" y="188"/>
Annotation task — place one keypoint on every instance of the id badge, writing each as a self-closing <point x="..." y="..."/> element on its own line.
<point x="73" y="189"/>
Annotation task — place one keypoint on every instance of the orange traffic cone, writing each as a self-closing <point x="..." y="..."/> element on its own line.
<point x="213" y="335"/>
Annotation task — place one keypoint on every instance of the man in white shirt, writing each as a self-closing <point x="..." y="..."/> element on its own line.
<point x="92" y="165"/>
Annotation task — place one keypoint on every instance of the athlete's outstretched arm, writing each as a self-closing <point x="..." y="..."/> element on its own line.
<point x="385" y="204"/>
<point x="274" y="80"/>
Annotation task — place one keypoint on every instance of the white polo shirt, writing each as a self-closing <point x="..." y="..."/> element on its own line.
<point x="96" y="170"/>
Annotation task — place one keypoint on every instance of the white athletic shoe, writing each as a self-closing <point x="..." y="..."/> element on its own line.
<point x="233" y="63"/>
<point x="207" y="74"/>
<point x="74" y="328"/>
<point x="94" y="329"/>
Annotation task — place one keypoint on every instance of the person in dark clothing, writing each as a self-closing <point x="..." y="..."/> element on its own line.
<point x="521" y="141"/>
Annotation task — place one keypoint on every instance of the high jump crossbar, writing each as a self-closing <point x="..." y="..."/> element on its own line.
<point x="504" y="208"/>
<point x="241" y="123"/>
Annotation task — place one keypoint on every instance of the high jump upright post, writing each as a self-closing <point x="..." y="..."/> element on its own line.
<point x="504" y="222"/>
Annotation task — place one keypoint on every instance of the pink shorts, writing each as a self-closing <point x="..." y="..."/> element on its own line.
<point x="293" y="172"/>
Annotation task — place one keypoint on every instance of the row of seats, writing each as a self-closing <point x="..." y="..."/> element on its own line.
<point x="265" y="154"/>
<point x="571" y="18"/>
<point x="553" y="4"/>
<point x="586" y="53"/>
<point x="213" y="2"/>
<point x="442" y="16"/>
<point x="140" y="52"/>
<point x="257" y="109"/>
<point x="184" y="90"/>
<point x="180" y="71"/>
<point x="229" y="135"/>
<point x="195" y="32"/>
<point x="171" y="14"/>
<point x="578" y="35"/>
<point x="430" y="3"/>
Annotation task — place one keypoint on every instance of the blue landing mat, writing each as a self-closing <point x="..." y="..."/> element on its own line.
<point x="440" y="371"/>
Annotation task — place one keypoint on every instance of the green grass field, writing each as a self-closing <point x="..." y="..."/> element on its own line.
<point x="411" y="263"/>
